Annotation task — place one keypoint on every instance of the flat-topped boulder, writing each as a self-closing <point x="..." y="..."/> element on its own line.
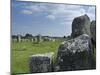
<point x="75" y="54"/>
<point x="80" y="25"/>
<point x="41" y="63"/>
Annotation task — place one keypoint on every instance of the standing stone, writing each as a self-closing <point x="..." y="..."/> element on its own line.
<point x="32" y="39"/>
<point x="19" y="38"/>
<point x="41" y="63"/>
<point x="75" y="54"/>
<point x="39" y="38"/>
<point x="93" y="31"/>
<point x="80" y="25"/>
<point x="35" y="39"/>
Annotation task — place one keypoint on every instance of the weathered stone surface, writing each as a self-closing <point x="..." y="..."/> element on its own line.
<point x="75" y="54"/>
<point x="41" y="63"/>
<point x="93" y="31"/>
<point x="80" y="25"/>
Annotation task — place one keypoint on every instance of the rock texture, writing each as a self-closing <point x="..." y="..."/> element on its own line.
<point x="41" y="63"/>
<point x="75" y="54"/>
<point x="80" y="25"/>
<point x="93" y="31"/>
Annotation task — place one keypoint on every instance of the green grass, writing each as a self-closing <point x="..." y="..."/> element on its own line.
<point x="23" y="50"/>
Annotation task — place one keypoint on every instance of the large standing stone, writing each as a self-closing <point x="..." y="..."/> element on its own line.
<point x="80" y="25"/>
<point x="75" y="54"/>
<point x="93" y="31"/>
<point x="41" y="63"/>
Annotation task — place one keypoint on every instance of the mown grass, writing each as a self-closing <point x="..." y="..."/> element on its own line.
<point x="23" y="50"/>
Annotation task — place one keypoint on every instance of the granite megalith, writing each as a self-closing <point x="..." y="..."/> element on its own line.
<point x="80" y="25"/>
<point x="75" y="54"/>
<point x="41" y="63"/>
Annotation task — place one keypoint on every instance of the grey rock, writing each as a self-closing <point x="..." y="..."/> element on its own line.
<point x="80" y="25"/>
<point x="93" y="31"/>
<point x="41" y="63"/>
<point x="75" y="54"/>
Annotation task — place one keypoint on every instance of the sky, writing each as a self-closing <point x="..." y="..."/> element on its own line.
<point x="47" y="19"/>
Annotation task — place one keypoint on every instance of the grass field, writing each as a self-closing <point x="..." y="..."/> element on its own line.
<point x="23" y="50"/>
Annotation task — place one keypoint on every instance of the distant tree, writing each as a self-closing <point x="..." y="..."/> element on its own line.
<point x="28" y="35"/>
<point x="14" y="36"/>
<point x="64" y="37"/>
<point x="69" y="37"/>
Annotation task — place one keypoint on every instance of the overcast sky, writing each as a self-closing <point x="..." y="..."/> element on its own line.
<point x="46" y="18"/>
